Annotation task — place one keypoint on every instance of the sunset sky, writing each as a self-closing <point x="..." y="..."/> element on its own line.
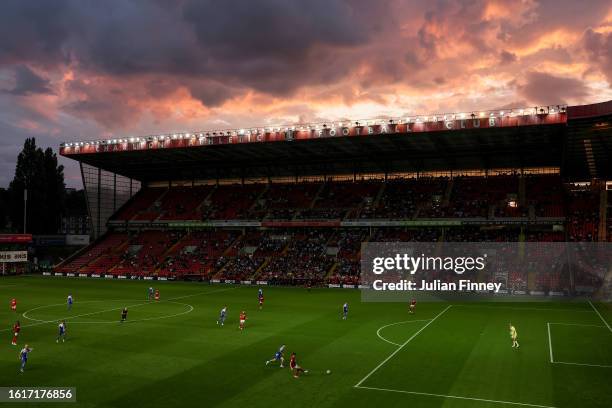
<point x="80" y="70"/>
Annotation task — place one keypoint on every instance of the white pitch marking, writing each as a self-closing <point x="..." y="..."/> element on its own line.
<point x="393" y="324"/>
<point x="102" y="311"/>
<point x="583" y="364"/>
<point x="401" y="347"/>
<point x="190" y="307"/>
<point x="577" y="324"/>
<point x="600" y="316"/>
<point x="143" y="320"/>
<point x="428" y="394"/>
<point x="550" y="343"/>
<point x="526" y="308"/>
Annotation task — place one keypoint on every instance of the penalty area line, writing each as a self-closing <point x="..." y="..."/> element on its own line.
<point x="429" y="394"/>
<point x="401" y="347"/>
<point x="577" y="324"/>
<point x="600" y="316"/>
<point x="582" y="364"/>
<point x="550" y="343"/>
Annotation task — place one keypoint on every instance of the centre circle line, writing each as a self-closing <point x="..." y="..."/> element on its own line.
<point x="393" y="324"/>
<point x="39" y="321"/>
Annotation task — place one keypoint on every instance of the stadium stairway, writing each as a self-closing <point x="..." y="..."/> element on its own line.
<point x="157" y="269"/>
<point x="267" y="260"/>
<point x="318" y="195"/>
<point x="448" y="192"/>
<point x="491" y="211"/>
<point x="221" y="271"/>
<point x="261" y="194"/>
<point x="155" y="199"/>
<point x="603" y="213"/>
<point x="80" y="252"/>
<point x="122" y="245"/>
<point x="331" y="271"/>
<point x="379" y="196"/>
<point x="207" y="198"/>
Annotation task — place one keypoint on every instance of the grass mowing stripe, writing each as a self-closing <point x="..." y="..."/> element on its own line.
<point x="401" y="347"/>
<point x="110" y="310"/>
<point x="600" y="316"/>
<point x="428" y="394"/>
<point x="180" y="362"/>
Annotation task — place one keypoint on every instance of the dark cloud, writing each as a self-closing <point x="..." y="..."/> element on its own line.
<point x="506" y="57"/>
<point x="412" y="60"/>
<point x="542" y="89"/>
<point x="599" y="49"/>
<point x="143" y="65"/>
<point x="439" y="80"/>
<point x="35" y="31"/>
<point x="212" y="93"/>
<point x="274" y="46"/>
<point x="278" y="29"/>
<point x="27" y="82"/>
<point x="107" y="103"/>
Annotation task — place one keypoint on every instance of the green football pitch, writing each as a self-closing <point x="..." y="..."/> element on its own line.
<point x="172" y="353"/>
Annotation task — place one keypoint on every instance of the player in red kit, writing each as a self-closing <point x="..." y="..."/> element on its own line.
<point x="16" y="330"/>
<point x="14" y="305"/>
<point x="412" y="305"/>
<point x="296" y="370"/>
<point x="156" y="294"/>
<point x="242" y="319"/>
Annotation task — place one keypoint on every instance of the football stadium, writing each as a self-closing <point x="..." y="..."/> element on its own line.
<point x="271" y="225"/>
<point x="306" y="203"/>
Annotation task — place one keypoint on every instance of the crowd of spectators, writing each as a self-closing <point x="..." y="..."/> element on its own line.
<point x="331" y="255"/>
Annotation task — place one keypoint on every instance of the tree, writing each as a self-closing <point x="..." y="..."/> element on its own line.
<point x="4" y="208"/>
<point x="39" y="172"/>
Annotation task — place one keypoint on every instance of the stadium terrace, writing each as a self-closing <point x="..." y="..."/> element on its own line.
<point x="292" y="205"/>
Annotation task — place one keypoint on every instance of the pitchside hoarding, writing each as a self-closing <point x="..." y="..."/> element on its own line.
<point x="13" y="256"/>
<point x="472" y="271"/>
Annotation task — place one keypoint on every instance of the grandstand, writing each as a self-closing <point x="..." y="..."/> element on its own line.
<point x="292" y="204"/>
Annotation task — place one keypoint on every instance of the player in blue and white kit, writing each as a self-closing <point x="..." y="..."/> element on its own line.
<point x="221" y="319"/>
<point x="69" y="302"/>
<point x="278" y="356"/>
<point x="23" y="356"/>
<point x="61" y="335"/>
<point x="150" y="292"/>
<point x="344" y="311"/>
<point x="260" y="298"/>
